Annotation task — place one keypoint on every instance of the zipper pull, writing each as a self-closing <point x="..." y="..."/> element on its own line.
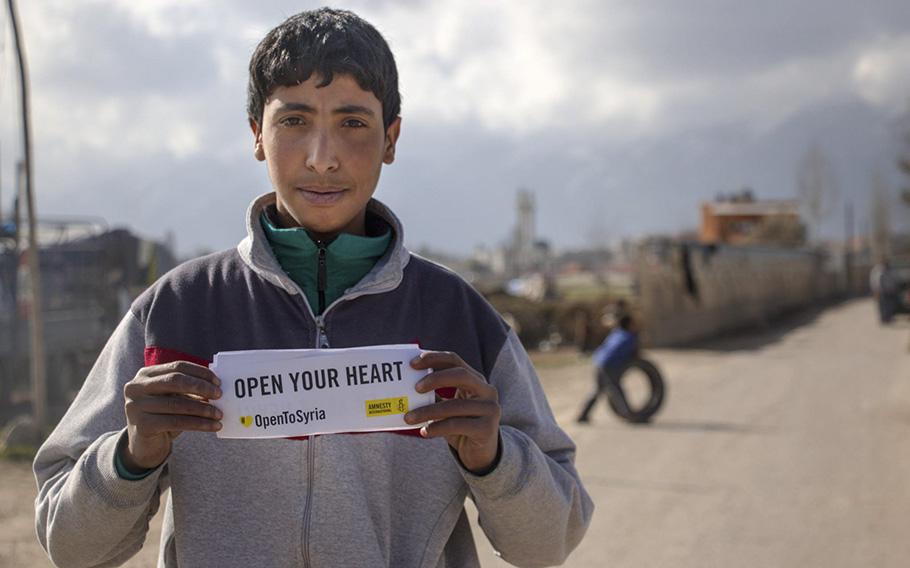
<point x="321" y="275"/>
<point x="322" y="340"/>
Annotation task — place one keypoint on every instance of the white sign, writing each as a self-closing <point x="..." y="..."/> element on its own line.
<point x="277" y="393"/>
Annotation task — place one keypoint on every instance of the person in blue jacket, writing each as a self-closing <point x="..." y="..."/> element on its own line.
<point x="610" y="361"/>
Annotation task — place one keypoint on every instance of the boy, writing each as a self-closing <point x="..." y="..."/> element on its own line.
<point x="611" y="360"/>
<point x="323" y="265"/>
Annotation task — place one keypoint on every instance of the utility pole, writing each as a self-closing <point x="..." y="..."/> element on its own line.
<point x="17" y="205"/>
<point x="39" y="389"/>
<point x="848" y="246"/>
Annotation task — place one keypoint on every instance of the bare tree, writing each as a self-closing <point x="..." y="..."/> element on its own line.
<point x="903" y="158"/>
<point x="816" y="187"/>
<point x="880" y="213"/>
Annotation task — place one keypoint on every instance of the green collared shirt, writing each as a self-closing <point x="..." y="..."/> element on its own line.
<point x="346" y="259"/>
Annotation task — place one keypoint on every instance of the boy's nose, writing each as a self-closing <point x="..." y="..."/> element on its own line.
<point x="321" y="156"/>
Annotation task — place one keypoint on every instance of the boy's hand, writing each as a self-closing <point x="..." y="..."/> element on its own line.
<point x="161" y="402"/>
<point x="470" y="420"/>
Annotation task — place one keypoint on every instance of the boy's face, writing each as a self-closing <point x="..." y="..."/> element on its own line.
<point x="324" y="148"/>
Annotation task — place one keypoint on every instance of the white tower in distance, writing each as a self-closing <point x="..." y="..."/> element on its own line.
<point x="523" y="244"/>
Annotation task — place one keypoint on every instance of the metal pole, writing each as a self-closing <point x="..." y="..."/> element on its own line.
<point x="848" y="247"/>
<point x="17" y="204"/>
<point x="39" y="391"/>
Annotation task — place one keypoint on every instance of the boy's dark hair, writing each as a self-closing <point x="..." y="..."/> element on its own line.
<point x="625" y="321"/>
<point x="323" y="41"/>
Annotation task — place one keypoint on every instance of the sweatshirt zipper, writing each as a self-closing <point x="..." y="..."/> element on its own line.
<point x="308" y="508"/>
<point x="322" y="342"/>
<point x="322" y="339"/>
<point x="321" y="276"/>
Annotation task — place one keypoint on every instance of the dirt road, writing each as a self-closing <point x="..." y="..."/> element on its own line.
<point x="785" y="448"/>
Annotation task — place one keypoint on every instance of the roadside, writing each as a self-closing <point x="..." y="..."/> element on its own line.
<point x="781" y="448"/>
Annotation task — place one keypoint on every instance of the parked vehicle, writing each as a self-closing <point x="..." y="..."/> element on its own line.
<point x="900" y="268"/>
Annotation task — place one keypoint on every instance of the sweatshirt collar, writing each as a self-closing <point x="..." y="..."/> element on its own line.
<point x="296" y="244"/>
<point x="385" y="275"/>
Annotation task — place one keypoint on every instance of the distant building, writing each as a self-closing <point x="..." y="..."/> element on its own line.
<point x="742" y="220"/>
<point x="525" y="253"/>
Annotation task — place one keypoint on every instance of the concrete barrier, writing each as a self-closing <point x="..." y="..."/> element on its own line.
<point x="692" y="292"/>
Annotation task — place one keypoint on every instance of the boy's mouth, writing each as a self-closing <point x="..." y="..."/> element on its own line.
<point x="322" y="195"/>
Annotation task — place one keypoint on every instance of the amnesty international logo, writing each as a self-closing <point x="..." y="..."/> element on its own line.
<point x="386" y="406"/>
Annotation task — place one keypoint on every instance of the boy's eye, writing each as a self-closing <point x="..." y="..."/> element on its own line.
<point x="354" y="123"/>
<point x="291" y="121"/>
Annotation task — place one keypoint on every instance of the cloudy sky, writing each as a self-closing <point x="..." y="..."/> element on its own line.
<point x="620" y="116"/>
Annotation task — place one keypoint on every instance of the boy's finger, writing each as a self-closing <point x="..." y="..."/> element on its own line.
<point x="469" y="427"/>
<point x="459" y="378"/>
<point x="473" y="408"/>
<point x="164" y="423"/>
<point x="437" y="360"/>
<point x="176" y="405"/>
<point x="172" y="383"/>
<point x="187" y="368"/>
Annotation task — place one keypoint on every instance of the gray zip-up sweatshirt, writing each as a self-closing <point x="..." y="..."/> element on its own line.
<point x="378" y="499"/>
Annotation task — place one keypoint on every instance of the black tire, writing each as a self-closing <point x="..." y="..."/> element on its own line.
<point x="655" y="401"/>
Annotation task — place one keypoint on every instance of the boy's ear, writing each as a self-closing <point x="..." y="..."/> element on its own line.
<point x="258" y="152"/>
<point x="391" y="138"/>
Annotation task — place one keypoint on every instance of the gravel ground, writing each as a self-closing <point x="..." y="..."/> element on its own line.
<point x="780" y="448"/>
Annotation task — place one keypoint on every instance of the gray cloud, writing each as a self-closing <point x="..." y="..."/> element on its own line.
<point x="708" y="38"/>
<point x="623" y="114"/>
<point x="104" y="51"/>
